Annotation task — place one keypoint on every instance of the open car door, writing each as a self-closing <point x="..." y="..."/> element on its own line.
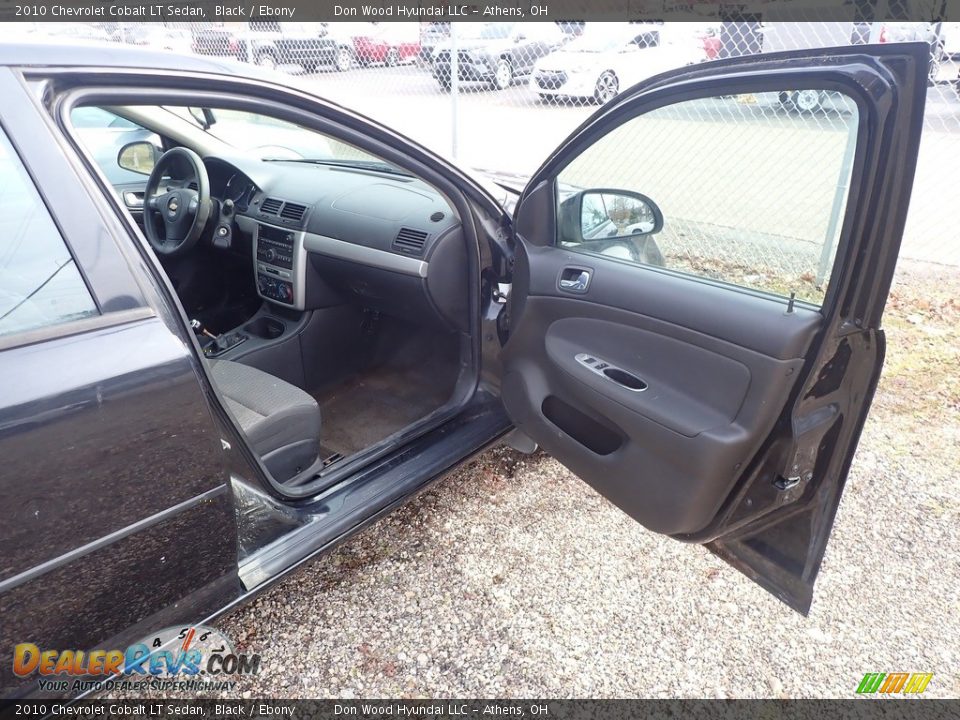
<point x="700" y="274"/>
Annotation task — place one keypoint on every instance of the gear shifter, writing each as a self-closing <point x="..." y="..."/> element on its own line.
<point x="221" y="343"/>
<point x="199" y="329"/>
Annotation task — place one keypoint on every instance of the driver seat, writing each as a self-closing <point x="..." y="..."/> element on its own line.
<point x="281" y="421"/>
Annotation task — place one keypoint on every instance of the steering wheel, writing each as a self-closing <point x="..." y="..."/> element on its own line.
<point x="174" y="219"/>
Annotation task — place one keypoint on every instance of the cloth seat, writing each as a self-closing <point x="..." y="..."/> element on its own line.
<point x="281" y="421"/>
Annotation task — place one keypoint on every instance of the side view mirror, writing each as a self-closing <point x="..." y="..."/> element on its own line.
<point x="607" y="214"/>
<point x="139" y="157"/>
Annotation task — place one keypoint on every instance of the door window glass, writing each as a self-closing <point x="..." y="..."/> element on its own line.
<point x="39" y="282"/>
<point x="105" y="134"/>
<point x="745" y="189"/>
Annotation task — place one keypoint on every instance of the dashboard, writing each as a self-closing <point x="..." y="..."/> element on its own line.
<point x="324" y="234"/>
<point x="229" y="183"/>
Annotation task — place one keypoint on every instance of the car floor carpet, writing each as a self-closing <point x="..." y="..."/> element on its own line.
<point x="372" y="405"/>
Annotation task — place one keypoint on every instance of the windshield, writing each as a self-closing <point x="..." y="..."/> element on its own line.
<point x="272" y="139"/>
<point x="486" y="31"/>
<point x="599" y="43"/>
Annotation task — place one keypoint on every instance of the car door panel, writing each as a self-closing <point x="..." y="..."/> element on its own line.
<point x="706" y="402"/>
<point x="743" y="319"/>
<point x="694" y="392"/>
<point x="742" y="426"/>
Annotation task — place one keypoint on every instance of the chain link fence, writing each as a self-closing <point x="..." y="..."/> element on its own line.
<point x="754" y="182"/>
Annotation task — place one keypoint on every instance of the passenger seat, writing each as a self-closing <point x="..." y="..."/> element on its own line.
<point x="281" y="421"/>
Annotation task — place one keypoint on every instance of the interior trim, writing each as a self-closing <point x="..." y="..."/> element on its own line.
<point x="368" y="256"/>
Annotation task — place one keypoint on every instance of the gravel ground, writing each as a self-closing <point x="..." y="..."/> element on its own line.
<point x="513" y="578"/>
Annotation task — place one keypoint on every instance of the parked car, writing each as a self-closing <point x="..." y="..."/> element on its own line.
<point x="609" y="57"/>
<point x="949" y="40"/>
<point x="307" y="44"/>
<point x="943" y="39"/>
<point x="711" y="45"/>
<point x="788" y="35"/>
<point x="784" y="35"/>
<point x="388" y="43"/>
<point x="432" y="34"/>
<point x="71" y="32"/>
<point x="210" y="39"/>
<point x="157" y="37"/>
<point x="164" y="353"/>
<point x="496" y="53"/>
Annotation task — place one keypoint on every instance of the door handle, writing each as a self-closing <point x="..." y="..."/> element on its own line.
<point x="575" y="280"/>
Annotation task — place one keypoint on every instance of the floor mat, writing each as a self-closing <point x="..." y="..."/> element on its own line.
<point x="373" y="405"/>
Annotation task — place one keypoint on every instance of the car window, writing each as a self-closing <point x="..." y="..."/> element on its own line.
<point x="104" y="134"/>
<point x="746" y="189"/>
<point x="485" y="31"/>
<point x="270" y="138"/>
<point x="39" y="282"/>
<point x="84" y="118"/>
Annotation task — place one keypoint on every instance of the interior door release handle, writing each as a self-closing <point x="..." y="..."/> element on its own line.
<point x="574" y="280"/>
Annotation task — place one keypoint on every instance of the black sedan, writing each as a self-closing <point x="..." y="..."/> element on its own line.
<point x="282" y="320"/>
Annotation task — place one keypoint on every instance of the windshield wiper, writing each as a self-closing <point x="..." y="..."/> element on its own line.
<point x="375" y="165"/>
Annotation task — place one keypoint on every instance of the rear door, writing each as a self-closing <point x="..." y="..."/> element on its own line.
<point x="116" y="518"/>
<point x="708" y="360"/>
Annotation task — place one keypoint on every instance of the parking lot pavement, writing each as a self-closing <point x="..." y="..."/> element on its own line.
<point x="514" y="131"/>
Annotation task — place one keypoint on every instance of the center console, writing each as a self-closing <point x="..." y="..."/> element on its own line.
<point x="280" y="259"/>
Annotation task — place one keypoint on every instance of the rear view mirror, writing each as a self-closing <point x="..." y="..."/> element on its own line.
<point x="138" y="157"/>
<point x="606" y="214"/>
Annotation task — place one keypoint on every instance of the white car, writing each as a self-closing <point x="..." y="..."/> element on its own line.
<point x="950" y="39"/>
<point x="610" y="57"/>
<point x="157" y="37"/>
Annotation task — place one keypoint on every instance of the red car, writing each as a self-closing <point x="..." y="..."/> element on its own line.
<point x="390" y="44"/>
<point x="711" y="45"/>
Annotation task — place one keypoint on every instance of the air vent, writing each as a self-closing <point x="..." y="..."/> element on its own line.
<point x="193" y="185"/>
<point x="271" y="206"/>
<point x="292" y="211"/>
<point x="410" y="241"/>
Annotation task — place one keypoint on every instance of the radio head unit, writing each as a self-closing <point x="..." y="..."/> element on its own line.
<point x="279" y="260"/>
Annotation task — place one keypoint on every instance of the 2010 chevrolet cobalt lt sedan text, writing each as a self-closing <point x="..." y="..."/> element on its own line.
<point x="238" y="323"/>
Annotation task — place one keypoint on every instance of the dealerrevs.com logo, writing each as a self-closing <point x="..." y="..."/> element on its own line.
<point x="176" y="658"/>
<point x="894" y="683"/>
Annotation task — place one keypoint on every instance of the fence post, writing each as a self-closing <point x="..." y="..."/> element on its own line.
<point x="454" y="93"/>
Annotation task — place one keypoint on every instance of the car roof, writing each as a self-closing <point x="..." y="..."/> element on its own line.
<point x="614" y="30"/>
<point x="51" y="52"/>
